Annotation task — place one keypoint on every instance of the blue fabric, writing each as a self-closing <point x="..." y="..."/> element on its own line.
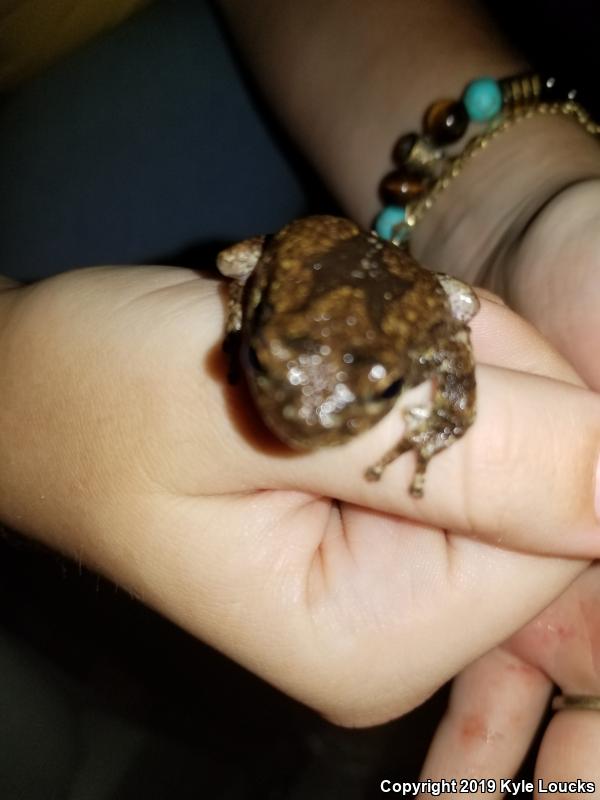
<point x="139" y="144"/>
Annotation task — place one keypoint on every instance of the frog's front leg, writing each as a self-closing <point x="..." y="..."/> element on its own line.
<point x="237" y="262"/>
<point x="432" y="428"/>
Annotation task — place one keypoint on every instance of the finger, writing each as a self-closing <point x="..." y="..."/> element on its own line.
<point x="523" y="475"/>
<point x="569" y="752"/>
<point x="564" y="639"/>
<point x="504" y="339"/>
<point x="495" y="708"/>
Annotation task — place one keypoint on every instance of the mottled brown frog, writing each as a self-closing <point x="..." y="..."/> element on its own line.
<point x="333" y="323"/>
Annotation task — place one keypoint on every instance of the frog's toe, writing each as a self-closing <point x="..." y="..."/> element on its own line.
<point x="417" y="487"/>
<point x="375" y="471"/>
<point x="464" y="303"/>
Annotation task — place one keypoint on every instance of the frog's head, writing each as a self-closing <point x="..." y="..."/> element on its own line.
<point x="322" y="380"/>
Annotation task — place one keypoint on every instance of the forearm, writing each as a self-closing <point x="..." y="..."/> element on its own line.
<point x="349" y="77"/>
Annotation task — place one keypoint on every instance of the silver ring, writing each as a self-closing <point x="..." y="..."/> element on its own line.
<point x="576" y="702"/>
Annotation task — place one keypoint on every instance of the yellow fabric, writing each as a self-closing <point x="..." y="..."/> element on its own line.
<point x="34" y="33"/>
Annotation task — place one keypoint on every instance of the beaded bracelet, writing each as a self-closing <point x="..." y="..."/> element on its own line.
<point x="424" y="169"/>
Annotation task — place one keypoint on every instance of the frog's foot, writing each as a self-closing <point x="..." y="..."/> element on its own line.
<point x="429" y="429"/>
<point x="237" y="262"/>
<point x="435" y="427"/>
<point x="418" y="428"/>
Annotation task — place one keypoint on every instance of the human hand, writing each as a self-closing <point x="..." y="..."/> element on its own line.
<point x="497" y="703"/>
<point x="545" y="264"/>
<point x="124" y="449"/>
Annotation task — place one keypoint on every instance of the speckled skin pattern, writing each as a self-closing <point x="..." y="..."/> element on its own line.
<point x="334" y="323"/>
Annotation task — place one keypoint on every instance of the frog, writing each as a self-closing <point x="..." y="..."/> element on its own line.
<point x="331" y="324"/>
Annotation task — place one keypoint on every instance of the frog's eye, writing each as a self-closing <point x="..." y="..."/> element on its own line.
<point x="253" y="360"/>
<point x="392" y="390"/>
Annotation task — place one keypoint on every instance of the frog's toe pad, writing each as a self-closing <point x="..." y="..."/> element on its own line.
<point x="239" y="260"/>
<point x="417" y="486"/>
<point x="374" y="472"/>
<point x="464" y="303"/>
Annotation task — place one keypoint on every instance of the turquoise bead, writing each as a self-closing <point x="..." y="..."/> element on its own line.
<point x="483" y="99"/>
<point x="390" y="216"/>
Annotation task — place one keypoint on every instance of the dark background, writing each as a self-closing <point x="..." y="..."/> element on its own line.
<point x="148" y="144"/>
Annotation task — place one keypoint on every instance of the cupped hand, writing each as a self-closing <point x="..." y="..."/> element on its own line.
<point x="124" y="448"/>
<point x="498" y="702"/>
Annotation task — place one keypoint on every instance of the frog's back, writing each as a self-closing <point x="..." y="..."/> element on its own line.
<point x="324" y="255"/>
<point x="291" y="268"/>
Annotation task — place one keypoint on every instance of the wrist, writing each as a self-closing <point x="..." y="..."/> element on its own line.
<point x="554" y="275"/>
<point x="476" y="224"/>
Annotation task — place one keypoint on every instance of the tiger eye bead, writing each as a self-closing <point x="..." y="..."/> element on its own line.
<point x="415" y="152"/>
<point x="403" y="147"/>
<point x="446" y="121"/>
<point x="402" y="186"/>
